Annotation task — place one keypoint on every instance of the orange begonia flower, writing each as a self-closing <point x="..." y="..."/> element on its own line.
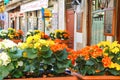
<point x="106" y="61"/>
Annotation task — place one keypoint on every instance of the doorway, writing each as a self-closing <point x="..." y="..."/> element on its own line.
<point x="70" y="26"/>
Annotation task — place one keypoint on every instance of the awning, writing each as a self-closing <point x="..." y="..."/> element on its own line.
<point x="13" y="6"/>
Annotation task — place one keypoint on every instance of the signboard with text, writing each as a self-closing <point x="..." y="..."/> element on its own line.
<point x="34" y="5"/>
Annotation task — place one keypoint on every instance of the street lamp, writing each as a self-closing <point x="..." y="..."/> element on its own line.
<point x="75" y="4"/>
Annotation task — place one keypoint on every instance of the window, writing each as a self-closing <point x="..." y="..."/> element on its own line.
<point x="79" y="22"/>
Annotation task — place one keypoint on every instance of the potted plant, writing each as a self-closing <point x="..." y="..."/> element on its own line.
<point x="9" y="57"/>
<point x="12" y="34"/>
<point x="60" y="36"/>
<point x="99" y="61"/>
<point x="37" y="58"/>
<point x="37" y="32"/>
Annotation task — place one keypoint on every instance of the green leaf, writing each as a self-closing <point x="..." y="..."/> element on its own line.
<point x="48" y="60"/>
<point x="4" y="71"/>
<point x="18" y="74"/>
<point x="47" y="54"/>
<point x="44" y="49"/>
<point x="62" y="70"/>
<point x="65" y="64"/>
<point x="10" y="67"/>
<point x="31" y="53"/>
<point x="89" y="62"/>
<point x="100" y="66"/>
<point x="114" y="72"/>
<point x="61" y="55"/>
<point x="16" y="54"/>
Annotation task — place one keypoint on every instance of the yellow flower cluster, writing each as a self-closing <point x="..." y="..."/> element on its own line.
<point x="58" y="31"/>
<point x="115" y="65"/>
<point x="112" y="50"/>
<point x="113" y="47"/>
<point x="36" y="42"/>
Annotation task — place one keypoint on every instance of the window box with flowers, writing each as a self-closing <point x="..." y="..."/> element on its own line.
<point x="12" y="34"/>
<point x="98" y="62"/>
<point x="36" y="58"/>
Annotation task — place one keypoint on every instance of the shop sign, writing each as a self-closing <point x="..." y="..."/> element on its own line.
<point x="34" y="5"/>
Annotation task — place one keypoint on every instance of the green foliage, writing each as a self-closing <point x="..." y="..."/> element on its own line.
<point x="90" y="66"/>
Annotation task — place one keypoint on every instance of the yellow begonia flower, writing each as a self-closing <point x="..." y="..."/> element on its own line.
<point x="115" y="50"/>
<point x="105" y="54"/>
<point x="37" y="45"/>
<point x="23" y="46"/>
<point x="44" y="42"/>
<point x="24" y="54"/>
<point x="50" y="42"/>
<point x="29" y="40"/>
<point x="117" y="66"/>
<point x="118" y="58"/>
<point x="104" y="43"/>
<point x="112" y="65"/>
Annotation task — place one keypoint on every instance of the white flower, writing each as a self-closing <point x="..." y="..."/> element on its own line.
<point x="8" y="43"/>
<point x="28" y="33"/>
<point x="4" y="58"/>
<point x="20" y="63"/>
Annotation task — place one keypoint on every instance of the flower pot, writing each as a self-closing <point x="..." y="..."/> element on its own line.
<point x="16" y="40"/>
<point x="51" y="78"/>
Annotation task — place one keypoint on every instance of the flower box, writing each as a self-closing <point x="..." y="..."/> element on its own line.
<point x="51" y="78"/>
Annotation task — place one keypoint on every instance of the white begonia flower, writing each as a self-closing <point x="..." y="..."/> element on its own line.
<point x="5" y="59"/>
<point x="20" y="63"/>
<point x="28" y="33"/>
<point x="8" y="43"/>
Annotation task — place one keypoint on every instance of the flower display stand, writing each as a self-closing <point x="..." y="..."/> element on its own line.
<point x="51" y="78"/>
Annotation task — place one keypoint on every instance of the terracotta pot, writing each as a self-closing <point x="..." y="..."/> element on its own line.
<point x="16" y="40"/>
<point x="51" y="78"/>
